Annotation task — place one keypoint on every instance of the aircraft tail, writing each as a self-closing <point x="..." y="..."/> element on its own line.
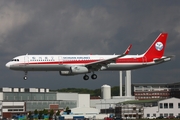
<point x="156" y="50"/>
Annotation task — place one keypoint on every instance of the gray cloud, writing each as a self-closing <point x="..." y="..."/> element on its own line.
<point x="87" y="27"/>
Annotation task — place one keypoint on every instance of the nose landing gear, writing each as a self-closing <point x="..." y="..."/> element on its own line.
<point x="25" y="77"/>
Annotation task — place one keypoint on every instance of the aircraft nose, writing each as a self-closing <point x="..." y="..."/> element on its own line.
<point x="8" y="65"/>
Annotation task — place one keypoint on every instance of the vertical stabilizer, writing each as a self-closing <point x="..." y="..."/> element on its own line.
<point x="156" y="50"/>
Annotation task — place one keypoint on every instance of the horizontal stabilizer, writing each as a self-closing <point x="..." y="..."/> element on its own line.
<point x="164" y="59"/>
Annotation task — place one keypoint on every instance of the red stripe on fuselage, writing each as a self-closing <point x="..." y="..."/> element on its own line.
<point x="120" y="60"/>
<point x="134" y="60"/>
<point x="65" y="62"/>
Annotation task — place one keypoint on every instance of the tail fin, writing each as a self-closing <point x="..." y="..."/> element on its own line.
<point x="156" y="50"/>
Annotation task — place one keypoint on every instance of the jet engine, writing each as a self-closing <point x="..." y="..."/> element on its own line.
<point x="74" y="70"/>
<point x="65" y="73"/>
<point x="79" y="70"/>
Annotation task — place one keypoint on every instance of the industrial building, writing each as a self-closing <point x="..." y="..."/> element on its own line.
<point x="22" y="100"/>
<point x="130" y="111"/>
<point x="146" y="91"/>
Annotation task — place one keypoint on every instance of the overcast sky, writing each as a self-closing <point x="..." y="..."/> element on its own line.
<point x="87" y="27"/>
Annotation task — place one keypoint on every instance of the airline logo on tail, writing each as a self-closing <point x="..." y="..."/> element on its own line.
<point x="159" y="46"/>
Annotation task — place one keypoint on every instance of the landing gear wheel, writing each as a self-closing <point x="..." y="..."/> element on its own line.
<point x="86" y="77"/>
<point x="93" y="76"/>
<point x="25" y="77"/>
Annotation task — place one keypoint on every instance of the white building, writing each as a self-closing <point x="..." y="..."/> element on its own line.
<point x="167" y="107"/>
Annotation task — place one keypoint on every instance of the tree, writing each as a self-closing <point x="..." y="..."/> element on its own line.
<point x="36" y="114"/>
<point x="45" y="112"/>
<point x="30" y="115"/>
<point x="51" y="113"/>
<point x="97" y="92"/>
<point x="67" y="110"/>
<point x="115" y="91"/>
<point x="40" y="114"/>
<point x="58" y="113"/>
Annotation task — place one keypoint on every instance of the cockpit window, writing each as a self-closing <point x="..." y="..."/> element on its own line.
<point x="15" y="59"/>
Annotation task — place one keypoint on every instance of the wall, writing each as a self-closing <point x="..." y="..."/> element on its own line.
<point x="164" y="111"/>
<point x="13" y="107"/>
<point x="67" y="96"/>
<point x="1" y="96"/>
<point x="84" y="100"/>
<point x="175" y="110"/>
<point x="151" y="111"/>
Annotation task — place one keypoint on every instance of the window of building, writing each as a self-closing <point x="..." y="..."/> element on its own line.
<point x="161" y="114"/>
<point x="148" y="115"/>
<point x="171" y="114"/>
<point x="178" y="105"/>
<point x="154" y="114"/>
<point x="161" y="105"/>
<point x="165" y="105"/>
<point x="165" y="114"/>
<point x="170" y="105"/>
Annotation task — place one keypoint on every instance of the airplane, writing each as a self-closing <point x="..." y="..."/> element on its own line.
<point x="69" y="65"/>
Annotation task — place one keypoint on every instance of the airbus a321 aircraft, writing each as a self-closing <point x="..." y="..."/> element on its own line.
<point x="68" y="65"/>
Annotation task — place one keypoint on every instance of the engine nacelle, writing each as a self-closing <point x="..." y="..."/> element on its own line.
<point x="74" y="70"/>
<point x="66" y="73"/>
<point x="79" y="70"/>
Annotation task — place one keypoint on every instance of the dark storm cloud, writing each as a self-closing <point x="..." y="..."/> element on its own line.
<point x="84" y="27"/>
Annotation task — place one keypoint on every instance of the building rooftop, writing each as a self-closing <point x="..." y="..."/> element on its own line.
<point x="155" y="84"/>
<point x="141" y="101"/>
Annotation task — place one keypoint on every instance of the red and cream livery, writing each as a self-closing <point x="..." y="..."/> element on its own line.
<point x="82" y="64"/>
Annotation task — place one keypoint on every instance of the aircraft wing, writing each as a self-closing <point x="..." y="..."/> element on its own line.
<point x="100" y="63"/>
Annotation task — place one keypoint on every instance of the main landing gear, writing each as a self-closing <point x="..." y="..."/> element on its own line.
<point x="93" y="76"/>
<point x="25" y="77"/>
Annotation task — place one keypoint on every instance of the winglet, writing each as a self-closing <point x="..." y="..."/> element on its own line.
<point x="128" y="49"/>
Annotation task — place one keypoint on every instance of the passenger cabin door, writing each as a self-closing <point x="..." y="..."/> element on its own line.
<point x="26" y="59"/>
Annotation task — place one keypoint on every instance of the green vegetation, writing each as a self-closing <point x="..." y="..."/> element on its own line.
<point x="42" y="114"/>
<point x="96" y="92"/>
